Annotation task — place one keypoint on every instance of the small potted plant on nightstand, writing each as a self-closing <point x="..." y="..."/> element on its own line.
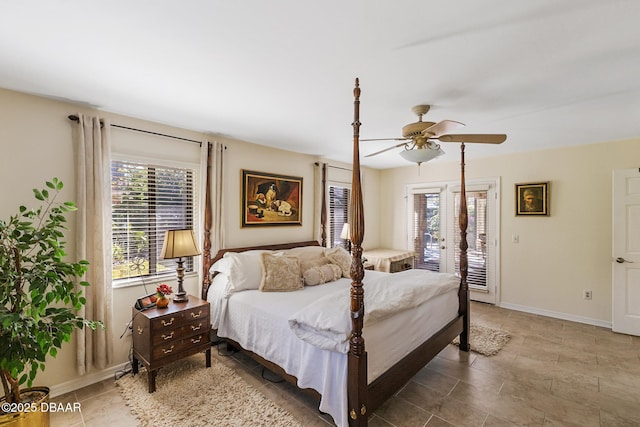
<point x="38" y="302"/>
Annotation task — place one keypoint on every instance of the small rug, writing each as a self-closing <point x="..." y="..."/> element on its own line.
<point x="189" y="394"/>
<point x="484" y="340"/>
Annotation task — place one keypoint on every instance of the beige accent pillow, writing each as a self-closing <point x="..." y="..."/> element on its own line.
<point x="339" y="256"/>
<point x="321" y="274"/>
<point x="307" y="263"/>
<point x="280" y="273"/>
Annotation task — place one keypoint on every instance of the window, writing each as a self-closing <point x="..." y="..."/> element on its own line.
<point x="146" y="200"/>
<point x="339" y="198"/>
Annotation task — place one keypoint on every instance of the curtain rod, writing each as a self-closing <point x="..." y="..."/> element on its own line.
<point x="75" y="118"/>
<point x="334" y="167"/>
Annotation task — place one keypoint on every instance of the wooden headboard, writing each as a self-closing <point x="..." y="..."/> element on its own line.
<point x="274" y="247"/>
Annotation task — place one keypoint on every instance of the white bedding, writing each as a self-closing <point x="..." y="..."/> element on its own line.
<point x="326" y="323"/>
<point x="259" y="322"/>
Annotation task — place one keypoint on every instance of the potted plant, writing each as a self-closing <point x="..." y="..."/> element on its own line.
<point x="38" y="298"/>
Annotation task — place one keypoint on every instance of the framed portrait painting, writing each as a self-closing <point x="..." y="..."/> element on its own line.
<point x="532" y="199"/>
<point x="270" y="199"/>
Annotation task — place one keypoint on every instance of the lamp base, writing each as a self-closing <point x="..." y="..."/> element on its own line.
<point x="180" y="297"/>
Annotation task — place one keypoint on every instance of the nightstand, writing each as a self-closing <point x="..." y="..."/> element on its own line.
<point x="164" y="335"/>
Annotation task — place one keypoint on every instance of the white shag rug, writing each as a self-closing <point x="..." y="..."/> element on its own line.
<point x="485" y="340"/>
<point x="189" y="394"/>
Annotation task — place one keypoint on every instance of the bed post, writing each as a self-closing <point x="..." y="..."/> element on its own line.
<point x="323" y="212"/>
<point x="357" y="359"/>
<point x="206" y="250"/>
<point x="463" y="293"/>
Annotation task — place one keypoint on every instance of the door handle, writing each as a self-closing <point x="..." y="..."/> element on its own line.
<point x="620" y="260"/>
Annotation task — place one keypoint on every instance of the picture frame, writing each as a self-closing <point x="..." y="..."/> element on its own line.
<point x="532" y="199"/>
<point x="270" y="199"/>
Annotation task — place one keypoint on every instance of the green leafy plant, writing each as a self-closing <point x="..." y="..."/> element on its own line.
<point x="39" y="296"/>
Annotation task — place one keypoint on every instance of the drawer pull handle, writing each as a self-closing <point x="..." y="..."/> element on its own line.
<point x="196" y="341"/>
<point x="167" y="350"/>
<point x="195" y="316"/>
<point x="196" y="328"/>
<point x="169" y="323"/>
<point x="167" y="337"/>
<point x="140" y="330"/>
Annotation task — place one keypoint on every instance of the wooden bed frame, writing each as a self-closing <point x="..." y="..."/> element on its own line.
<point x="364" y="398"/>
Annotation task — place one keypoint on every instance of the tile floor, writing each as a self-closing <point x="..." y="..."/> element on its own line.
<point x="551" y="373"/>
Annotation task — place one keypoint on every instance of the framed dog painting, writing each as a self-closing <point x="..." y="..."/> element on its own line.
<point x="270" y="199"/>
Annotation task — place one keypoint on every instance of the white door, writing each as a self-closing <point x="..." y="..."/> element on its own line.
<point x="626" y="251"/>
<point x="434" y="233"/>
<point x="483" y="217"/>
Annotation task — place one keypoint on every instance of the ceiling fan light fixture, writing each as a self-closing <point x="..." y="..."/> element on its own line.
<point x="422" y="154"/>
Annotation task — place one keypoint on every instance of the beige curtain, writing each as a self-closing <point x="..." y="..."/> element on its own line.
<point x="93" y="238"/>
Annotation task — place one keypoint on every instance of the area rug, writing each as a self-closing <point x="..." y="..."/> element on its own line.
<point x="484" y="340"/>
<point x="189" y="394"/>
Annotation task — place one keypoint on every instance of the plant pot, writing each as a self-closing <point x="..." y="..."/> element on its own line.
<point x="162" y="302"/>
<point x="34" y="399"/>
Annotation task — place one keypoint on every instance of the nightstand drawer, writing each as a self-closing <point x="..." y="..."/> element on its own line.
<point x="186" y="330"/>
<point x="177" y="346"/>
<point x="196" y="313"/>
<point x="167" y="323"/>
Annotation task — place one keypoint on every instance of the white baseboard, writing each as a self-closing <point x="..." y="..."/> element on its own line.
<point x="85" y="380"/>
<point x="557" y="315"/>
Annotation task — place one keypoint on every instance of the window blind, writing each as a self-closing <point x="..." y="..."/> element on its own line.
<point x="426" y="230"/>
<point x="339" y="198"/>
<point x="147" y="200"/>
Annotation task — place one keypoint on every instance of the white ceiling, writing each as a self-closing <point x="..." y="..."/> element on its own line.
<point x="547" y="73"/>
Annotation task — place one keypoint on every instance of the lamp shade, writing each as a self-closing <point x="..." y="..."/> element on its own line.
<point x="421" y="155"/>
<point x="179" y="243"/>
<point x="346" y="232"/>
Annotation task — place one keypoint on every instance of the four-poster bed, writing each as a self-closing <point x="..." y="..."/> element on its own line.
<point x="367" y="383"/>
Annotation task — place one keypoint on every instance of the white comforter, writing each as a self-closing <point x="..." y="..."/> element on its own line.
<point x="326" y="323"/>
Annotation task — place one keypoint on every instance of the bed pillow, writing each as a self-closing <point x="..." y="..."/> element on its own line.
<point x="306" y="252"/>
<point x="321" y="274"/>
<point x="242" y="268"/>
<point x="339" y="256"/>
<point x="309" y="256"/>
<point x="280" y="273"/>
<point x="306" y="264"/>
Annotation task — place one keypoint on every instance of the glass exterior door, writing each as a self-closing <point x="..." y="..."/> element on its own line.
<point x="427" y="232"/>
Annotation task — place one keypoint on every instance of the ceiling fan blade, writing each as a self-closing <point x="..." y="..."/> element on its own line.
<point x="386" y="149"/>
<point x="477" y="137"/>
<point x="440" y="128"/>
<point x="385" y="139"/>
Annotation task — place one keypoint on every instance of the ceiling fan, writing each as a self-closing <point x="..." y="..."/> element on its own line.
<point x="419" y="138"/>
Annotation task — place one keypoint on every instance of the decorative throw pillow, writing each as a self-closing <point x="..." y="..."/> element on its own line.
<point x="341" y="258"/>
<point x="307" y="263"/>
<point x="321" y="274"/>
<point x="280" y="273"/>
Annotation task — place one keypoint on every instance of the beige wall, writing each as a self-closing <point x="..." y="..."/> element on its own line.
<point x="558" y="256"/>
<point x="35" y="142"/>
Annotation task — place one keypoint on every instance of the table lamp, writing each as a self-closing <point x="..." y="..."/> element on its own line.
<point x="346" y="236"/>
<point x="179" y="244"/>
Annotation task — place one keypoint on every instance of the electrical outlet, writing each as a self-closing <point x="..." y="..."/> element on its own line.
<point x="586" y="294"/>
